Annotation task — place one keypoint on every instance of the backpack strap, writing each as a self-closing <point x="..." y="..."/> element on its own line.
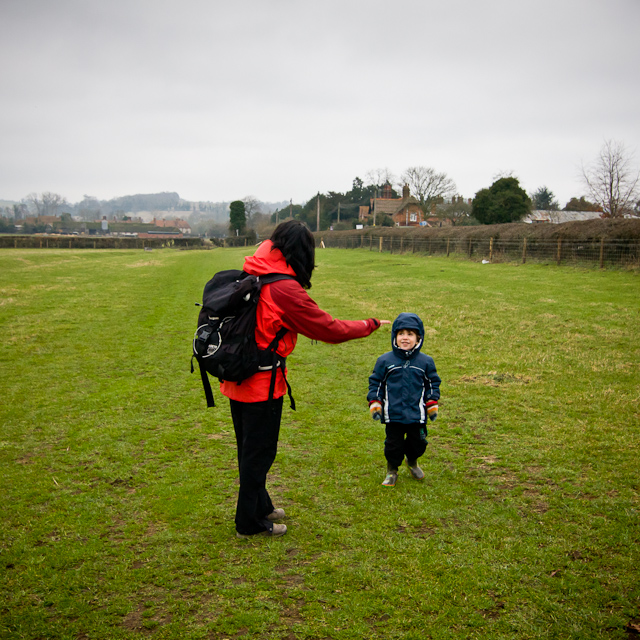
<point x="208" y="393"/>
<point x="275" y="366"/>
<point x="274" y="277"/>
<point x="268" y="279"/>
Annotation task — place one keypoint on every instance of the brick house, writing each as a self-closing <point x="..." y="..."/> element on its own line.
<point x="49" y="221"/>
<point x="405" y="211"/>
<point x="181" y="225"/>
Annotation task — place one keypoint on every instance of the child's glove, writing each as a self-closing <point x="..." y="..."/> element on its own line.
<point x="432" y="409"/>
<point x="375" y="409"/>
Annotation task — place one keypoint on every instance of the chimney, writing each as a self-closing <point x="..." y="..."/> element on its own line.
<point x="406" y="192"/>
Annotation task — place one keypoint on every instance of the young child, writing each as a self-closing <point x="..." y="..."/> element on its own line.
<point x="403" y="391"/>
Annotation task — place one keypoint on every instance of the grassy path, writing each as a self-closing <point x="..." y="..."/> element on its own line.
<point x="118" y="486"/>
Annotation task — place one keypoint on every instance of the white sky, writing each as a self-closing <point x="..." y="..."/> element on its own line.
<point x="280" y="99"/>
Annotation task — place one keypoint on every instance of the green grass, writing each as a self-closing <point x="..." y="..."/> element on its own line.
<point x="118" y="486"/>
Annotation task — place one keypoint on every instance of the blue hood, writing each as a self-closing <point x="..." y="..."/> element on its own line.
<point x="407" y="321"/>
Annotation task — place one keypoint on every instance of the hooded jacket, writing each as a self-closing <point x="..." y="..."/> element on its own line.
<point x="404" y="381"/>
<point x="286" y="304"/>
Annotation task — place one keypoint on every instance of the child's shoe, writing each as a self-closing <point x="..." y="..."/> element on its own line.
<point x="391" y="478"/>
<point x="416" y="471"/>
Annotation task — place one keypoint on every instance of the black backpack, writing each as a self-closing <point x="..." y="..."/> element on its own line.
<point x="224" y="344"/>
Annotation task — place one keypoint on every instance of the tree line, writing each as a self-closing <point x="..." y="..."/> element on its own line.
<point x="611" y="183"/>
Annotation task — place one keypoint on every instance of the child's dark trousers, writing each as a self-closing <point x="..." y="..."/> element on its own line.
<point x="402" y="440"/>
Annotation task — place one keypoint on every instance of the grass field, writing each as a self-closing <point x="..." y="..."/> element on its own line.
<point x="118" y="486"/>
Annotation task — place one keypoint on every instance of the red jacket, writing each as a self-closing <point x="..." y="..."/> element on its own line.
<point x="286" y="304"/>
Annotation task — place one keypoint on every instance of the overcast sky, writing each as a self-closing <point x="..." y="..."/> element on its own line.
<point x="281" y="99"/>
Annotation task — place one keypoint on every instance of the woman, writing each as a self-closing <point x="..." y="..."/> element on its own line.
<point x="256" y="417"/>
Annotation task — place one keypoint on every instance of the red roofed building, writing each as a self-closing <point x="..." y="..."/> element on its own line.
<point x="177" y="224"/>
<point x="405" y="211"/>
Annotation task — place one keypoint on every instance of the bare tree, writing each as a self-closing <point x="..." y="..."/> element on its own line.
<point x="19" y="211"/>
<point x="34" y="203"/>
<point x="89" y="208"/>
<point x="47" y="204"/>
<point x="458" y="211"/>
<point x="612" y="181"/>
<point x="427" y="184"/>
<point x="380" y="177"/>
<point x="252" y="207"/>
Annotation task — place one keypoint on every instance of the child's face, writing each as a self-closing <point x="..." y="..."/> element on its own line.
<point x="406" y="339"/>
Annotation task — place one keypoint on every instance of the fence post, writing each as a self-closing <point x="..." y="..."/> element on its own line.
<point x="448" y="246"/>
<point x="602" y="253"/>
<point x="490" y="249"/>
<point x="524" y="250"/>
<point x="559" y="256"/>
<point x="413" y="244"/>
<point x="380" y="244"/>
<point x="470" y="241"/>
<point x="401" y="243"/>
<point x="391" y="244"/>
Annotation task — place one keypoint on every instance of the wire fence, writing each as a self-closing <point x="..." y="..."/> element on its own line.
<point x="93" y="242"/>
<point x="598" y="252"/>
<point x="601" y="253"/>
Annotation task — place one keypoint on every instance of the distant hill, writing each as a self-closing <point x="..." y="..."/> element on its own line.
<point x="167" y="204"/>
<point x="167" y="201"/>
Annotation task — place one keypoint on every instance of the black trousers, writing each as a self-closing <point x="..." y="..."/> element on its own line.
<point x="257" y="427"/>
<point x="402" y="440"/>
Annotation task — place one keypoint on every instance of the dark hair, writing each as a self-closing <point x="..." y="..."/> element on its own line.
<point x="298" y="246"/>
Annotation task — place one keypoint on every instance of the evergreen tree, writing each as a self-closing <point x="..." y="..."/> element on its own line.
<point x="544" y="200"/>
<point x="503" y="201"/>
<point x="237" y="217"/>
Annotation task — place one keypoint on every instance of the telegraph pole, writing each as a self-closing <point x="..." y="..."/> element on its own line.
<point x="318" y="214"/>
<point x="375" y="205"/>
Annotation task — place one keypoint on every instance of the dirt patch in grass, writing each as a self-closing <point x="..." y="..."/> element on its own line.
<point x="493" y="379"/>
<point x="144" y="263"/>
<point x="422" y="530"/>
